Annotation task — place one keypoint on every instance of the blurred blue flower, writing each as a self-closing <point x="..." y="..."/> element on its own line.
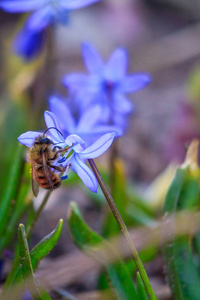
<point x="45" y="12"/>
<point x="28" y="43"/>
<point x="88" y="125"/>
<point x="77" y="154"/>
<point x="106" y="84"/>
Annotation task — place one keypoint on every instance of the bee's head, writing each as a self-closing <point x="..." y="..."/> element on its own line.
<point x="43" y="140"/>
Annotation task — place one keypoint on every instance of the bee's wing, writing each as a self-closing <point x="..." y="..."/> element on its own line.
<point x="47" y="170"/>
<point x="35" y="187"/>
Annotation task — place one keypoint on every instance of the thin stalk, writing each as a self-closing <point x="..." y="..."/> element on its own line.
<point x="124" y="231"/>
<point x="37" y="214"/>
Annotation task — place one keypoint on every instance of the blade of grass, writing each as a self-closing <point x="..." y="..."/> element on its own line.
<point x="85" y="238"/>
<point x="9" y="195"/>
<point x="28" y="275"/>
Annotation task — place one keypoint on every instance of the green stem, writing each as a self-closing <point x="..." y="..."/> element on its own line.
<point x="37" y="214"/>
<point x="124" y="231"/>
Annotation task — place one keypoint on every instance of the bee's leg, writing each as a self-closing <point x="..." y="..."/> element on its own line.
<point x="63" y="150"/>
<point x="55" y="148"/>
<point x="59" y="168"/>
<point x="55" y="152"/>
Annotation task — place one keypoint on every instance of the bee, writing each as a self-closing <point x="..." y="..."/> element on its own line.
<point x="42" y="156"/>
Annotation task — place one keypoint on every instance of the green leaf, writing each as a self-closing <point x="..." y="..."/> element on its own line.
<point x="11" y="189"/>
<point x="173" y="194"/>
<point x="14" y="274"/>
<point x="184" y="190"/>
<point x="85" y="238"/>
<point x="141" y="291"/>
<point x="37" y="253"/>
<point x="26" y="268"/>
<point x="13" y="121"/>
<point x="182" y="274"/>
<point x="46" y="245"/>
<point x="41" y="250"/>
<point x="183" y="194"/>
<point x="20" y="208"/>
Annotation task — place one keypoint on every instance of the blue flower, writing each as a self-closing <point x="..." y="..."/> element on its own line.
<point x="75" y="157"/>
<point x="106" y="84"/>
<point x="28" y="43"/>
<point x="45" y="13"/>
<point x="88" y="126"/>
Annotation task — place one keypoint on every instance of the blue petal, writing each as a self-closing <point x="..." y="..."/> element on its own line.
<point x="41" y="18"/>
<point x="28" y="44"/>
<point x="89" y="118"/>
<point x="135" y="82"/>
<point x="121" y="120"/>
<point x="28" y="138"/>
<point x="103" y="129"/>
<point x="98" y="147"/>
<point x="92" y="59"/>
<point x="54" y="126"/>
<point x="78" y="143"/>
<point x="74" y="4"/>
<point x="81" y="82"/>
<point x="75" y="80"/>
<point x="93" y="134"/>
<point x="61" y="110"/>
<point x="84" y="173"/>
<point x="116" y="67"/>
<point x="121" y="104"/>
<point x="20" y="5"/>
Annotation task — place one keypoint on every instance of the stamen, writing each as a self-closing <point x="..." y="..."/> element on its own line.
<point x="62" y="160"/>
<point x="64" y="177"/>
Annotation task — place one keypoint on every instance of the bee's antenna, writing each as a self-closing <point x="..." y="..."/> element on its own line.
<point x="53" y="128"/>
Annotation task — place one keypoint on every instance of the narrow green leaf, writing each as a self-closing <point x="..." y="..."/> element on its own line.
<point x="45" y="245"/>
<point x="183" y="194"/>
<point x="25" y="264"/>
<point x="189" y="195"/>
<point x="14" y="275"/>
<point x="173" y="193"/>
<point x="10" y="191"/>
<point x="181" y="271"/>
<point x="85" y="238"/>
<point x="37" y="253"/>
<point x="20" y="208"/>
<point x="141" y="291"/>
<point x="10" y="230"/>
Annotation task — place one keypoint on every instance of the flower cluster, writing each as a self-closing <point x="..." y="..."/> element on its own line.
<point x="31" y="38"/>
<point x="101" y="110"/>
<point x="106" y="85"/>
<point x="88" y="125"/>
<point x="75" y="157"/>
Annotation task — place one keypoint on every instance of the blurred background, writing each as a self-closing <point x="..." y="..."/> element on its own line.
<point x="162" y="38"/>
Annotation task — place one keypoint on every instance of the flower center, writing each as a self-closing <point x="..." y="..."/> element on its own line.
<point x="109" y="86"/>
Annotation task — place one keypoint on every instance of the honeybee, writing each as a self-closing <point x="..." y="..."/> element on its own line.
<point x="42" y="156"/>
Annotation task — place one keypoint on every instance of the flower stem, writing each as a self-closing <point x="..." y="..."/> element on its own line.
<point x="37" y="214"/>
<point x="124" y="231"/>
